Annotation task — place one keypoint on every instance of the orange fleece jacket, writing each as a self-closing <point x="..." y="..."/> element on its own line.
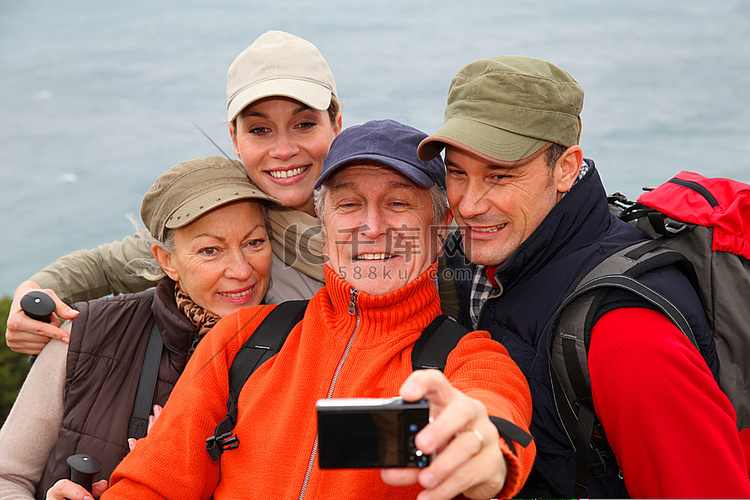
<point x="276" y="422"/>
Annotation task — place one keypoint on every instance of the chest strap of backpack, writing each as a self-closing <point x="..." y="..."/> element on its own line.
<point x="144" y="397"/>
<point x="265" y="342"/>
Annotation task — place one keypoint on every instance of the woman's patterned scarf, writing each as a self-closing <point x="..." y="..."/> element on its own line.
<point x="202" y="319"/>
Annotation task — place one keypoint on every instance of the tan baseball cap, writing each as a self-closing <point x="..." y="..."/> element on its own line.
<point x="193" y="188"/>
<point x="279" y="64"/>
<point x="507" y="109"/>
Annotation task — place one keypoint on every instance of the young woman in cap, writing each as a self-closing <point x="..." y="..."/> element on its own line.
<point x="207" y="228"/>
<point x="283" y="114"/>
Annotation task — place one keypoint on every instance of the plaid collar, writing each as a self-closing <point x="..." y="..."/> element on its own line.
<point x="481" y="290"/>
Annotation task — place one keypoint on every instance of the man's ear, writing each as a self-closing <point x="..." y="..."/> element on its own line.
<point x="567" y="168"/>
<point x="339" y="124"/>
<point x="322" y="230"/>
<point x="166" y="262"/>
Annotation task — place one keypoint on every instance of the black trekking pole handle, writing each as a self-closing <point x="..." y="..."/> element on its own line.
<point x="39" y="306"/>
<point x="83" y="468"/>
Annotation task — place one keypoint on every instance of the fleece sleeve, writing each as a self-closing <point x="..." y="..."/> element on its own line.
<point x="30" y="432"/>
<point x="483" y="369"/>
<point x="673" y="431"/>
<point x="90" y="274"/>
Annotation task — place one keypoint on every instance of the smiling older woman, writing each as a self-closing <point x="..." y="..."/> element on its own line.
<point x="208" y="228"/>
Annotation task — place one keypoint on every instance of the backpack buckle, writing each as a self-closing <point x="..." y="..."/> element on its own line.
<point x="215" y="446"/>
<point x="598" y="467"/>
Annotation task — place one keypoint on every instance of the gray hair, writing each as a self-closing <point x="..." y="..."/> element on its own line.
<point x="553" y="154"/>
<point x="440" y="205"/>
<point x="147" y="267"/>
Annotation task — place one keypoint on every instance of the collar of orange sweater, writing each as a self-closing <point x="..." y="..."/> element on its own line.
<point x="410" y="308"/>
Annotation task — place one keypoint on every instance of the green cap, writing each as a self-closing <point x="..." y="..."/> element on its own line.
<point x="508" y="108"/>
<point x="193" y="188"/>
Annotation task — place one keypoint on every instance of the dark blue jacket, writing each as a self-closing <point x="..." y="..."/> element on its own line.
<point x="578" y="232"/>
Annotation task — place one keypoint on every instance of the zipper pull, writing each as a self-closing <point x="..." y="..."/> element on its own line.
<point x="353" y="301"/>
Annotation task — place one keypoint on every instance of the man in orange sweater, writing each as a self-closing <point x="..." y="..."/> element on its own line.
<point x="384" y="216"/>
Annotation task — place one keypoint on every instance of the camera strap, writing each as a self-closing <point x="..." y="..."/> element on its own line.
<point x="432" y="351"/>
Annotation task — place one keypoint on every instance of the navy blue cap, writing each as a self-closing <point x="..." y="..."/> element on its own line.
<point x="388" y="142"/>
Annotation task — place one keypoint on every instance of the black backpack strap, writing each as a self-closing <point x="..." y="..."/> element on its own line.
<point x="144" y="396"/>
<point x="264" y="343"/>
<point x="436" y="342"/>
<point x="431" y="350"/>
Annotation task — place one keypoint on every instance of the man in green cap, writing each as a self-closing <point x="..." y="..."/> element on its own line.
<point x="533" y="215"/>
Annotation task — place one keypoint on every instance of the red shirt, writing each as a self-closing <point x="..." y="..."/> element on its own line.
<point x="673" y="431"/>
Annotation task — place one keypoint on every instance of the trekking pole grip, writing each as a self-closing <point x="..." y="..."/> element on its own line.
<point x="38" y="305"/>
<point x="83" y="468"/>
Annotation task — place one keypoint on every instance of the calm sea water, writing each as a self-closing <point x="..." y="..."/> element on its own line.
<point x="98" y="98"/>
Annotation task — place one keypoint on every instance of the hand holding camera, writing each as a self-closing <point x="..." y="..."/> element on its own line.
<point x="461" y="437"/>
<point x="433" y="434"/>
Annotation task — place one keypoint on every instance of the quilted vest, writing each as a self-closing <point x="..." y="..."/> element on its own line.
<point x="105" y="355"/>
<point x="534" y="281"/>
